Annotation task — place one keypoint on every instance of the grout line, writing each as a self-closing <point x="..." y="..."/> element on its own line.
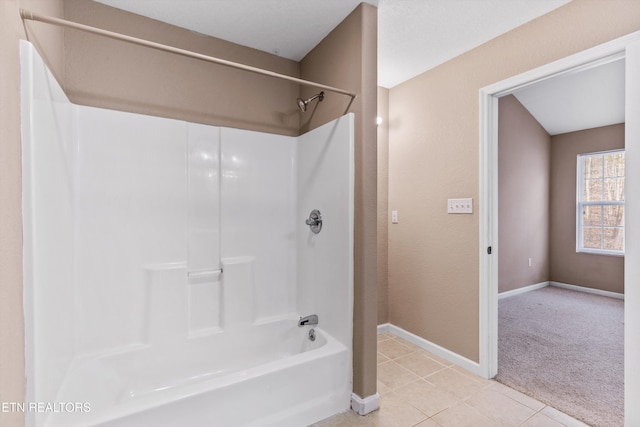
<point x="539" y="411"/>
<point x="393" y="358"/>
<point x="472" y="376"/>
<point x="427" y="353"/>
<point x="516" y="401"/>
<point x="433" y="373"/>
<point x="418" y="378"/>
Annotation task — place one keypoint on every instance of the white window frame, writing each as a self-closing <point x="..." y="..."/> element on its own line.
<point x="580" y="204"/>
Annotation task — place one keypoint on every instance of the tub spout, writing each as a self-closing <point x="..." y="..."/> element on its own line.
<point x="310" y="320"/>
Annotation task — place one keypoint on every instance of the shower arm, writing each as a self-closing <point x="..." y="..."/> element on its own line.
<point x="26" y="14"/>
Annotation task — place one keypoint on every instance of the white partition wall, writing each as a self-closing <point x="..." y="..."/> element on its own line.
<point x="144" y="233"/>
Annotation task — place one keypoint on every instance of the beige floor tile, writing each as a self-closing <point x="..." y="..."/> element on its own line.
<point x="540" y="420"/>
<point x="384" y="337"/>
<point x="426" y="397"/>
<point x="406" y="400"/>
<point x="407" y="343"/>
<point x="517" y="396"/>
<point x="427" y="423"/>
<point x="485" y="382"/>
<point x="395" y="412"/>
<point x="393" y="375"/>
<point x="382" y="388"/>
<point x="419" y="363"/>
<point x="454" y="382"/>
<point x="393" y="349"/>
<point x="562" y="417"/>
<point x="496" y="406"/>
<point x="427" y="353"/>
<point x="438" y="359"/>
<point x="462" y="415"/>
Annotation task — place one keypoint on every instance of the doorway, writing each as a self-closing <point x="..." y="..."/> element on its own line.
<point x="629" y="48"/>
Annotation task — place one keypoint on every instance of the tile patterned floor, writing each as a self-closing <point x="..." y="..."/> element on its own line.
<point x="420" y="389"/>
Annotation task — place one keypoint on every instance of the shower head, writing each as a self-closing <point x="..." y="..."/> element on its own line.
<point x="302" y="103"/>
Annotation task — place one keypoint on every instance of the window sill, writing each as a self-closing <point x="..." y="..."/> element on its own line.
<point x="597" y="252"/>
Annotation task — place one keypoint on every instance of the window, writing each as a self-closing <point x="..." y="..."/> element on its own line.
<point x="600" y="207"/>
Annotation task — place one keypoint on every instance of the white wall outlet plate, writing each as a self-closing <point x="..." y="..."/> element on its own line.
<point x="459" y="206"/>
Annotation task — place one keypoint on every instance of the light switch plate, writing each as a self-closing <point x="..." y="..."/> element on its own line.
<point x="394" y="217"/>
<point x="460" y="206"/>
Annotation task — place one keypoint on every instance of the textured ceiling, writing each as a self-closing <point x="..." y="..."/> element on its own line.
<point x="416" y="35"/>
<point x="413" y="35"/>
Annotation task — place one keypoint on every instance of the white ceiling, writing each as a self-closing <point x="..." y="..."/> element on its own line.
<point x="417" y="35"/>
<point x="577" y="101"/>
<point x="413" y="35"/>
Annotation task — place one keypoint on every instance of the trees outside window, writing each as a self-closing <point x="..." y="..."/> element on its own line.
<point x="600" y="203"/>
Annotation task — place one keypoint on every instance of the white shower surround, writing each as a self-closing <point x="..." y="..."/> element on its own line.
<point x="127" y="219"/>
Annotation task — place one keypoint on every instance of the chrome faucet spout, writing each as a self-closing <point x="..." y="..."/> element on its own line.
<point x="310" y="320"/>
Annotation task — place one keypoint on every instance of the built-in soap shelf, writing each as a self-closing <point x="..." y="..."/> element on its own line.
<point x="204" y="274"/>
<point x="186" y="303"/>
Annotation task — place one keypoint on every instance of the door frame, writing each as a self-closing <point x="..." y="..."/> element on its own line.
<point x="627" y="47"/>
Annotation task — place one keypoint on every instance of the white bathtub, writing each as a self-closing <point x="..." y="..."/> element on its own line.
<point x="267" y="375"/>
<point x="129" y="221"/>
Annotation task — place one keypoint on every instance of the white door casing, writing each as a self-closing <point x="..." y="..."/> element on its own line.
<point x="627" y="47"/>
<point x="632" y="236"/>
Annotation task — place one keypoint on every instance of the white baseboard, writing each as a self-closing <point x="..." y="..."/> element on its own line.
<point x="439" y="351"/>
<point x="587" y="290"/>
<point x="462" y="361"/>
<point x="558" y="285"/>
<point x="365" y="405"/>
<point x="523" y="290"/>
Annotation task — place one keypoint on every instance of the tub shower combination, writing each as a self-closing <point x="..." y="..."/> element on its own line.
<point x="183" y="274"/>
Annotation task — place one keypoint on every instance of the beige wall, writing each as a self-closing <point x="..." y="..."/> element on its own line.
<point x="383" y="205"/>
<point x="524" y="162"/>
<point x="567" y="266"/>
<point x="537" y="190"/>
<point x="433" y="155"/>
<point x="107" y="73"/>
<point x="347" y="58"/>
<point x="12" y="385"/>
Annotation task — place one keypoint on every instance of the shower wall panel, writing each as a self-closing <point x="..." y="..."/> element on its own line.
<point x="204" y="197"/>
<point x="48" y="197"/>
<point x="129" y="206"/>
<point x="258" y="214"/>
<point x="148" y="198"/>
<point x="203" y="258"/>
<point x="130" y="211"/>
<point x="325" y="260"/>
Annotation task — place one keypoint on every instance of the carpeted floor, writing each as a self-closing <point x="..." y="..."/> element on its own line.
<point x="566" y="349"/>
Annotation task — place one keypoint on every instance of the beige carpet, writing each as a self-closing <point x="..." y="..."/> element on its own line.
<point x="566" y="349"/>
